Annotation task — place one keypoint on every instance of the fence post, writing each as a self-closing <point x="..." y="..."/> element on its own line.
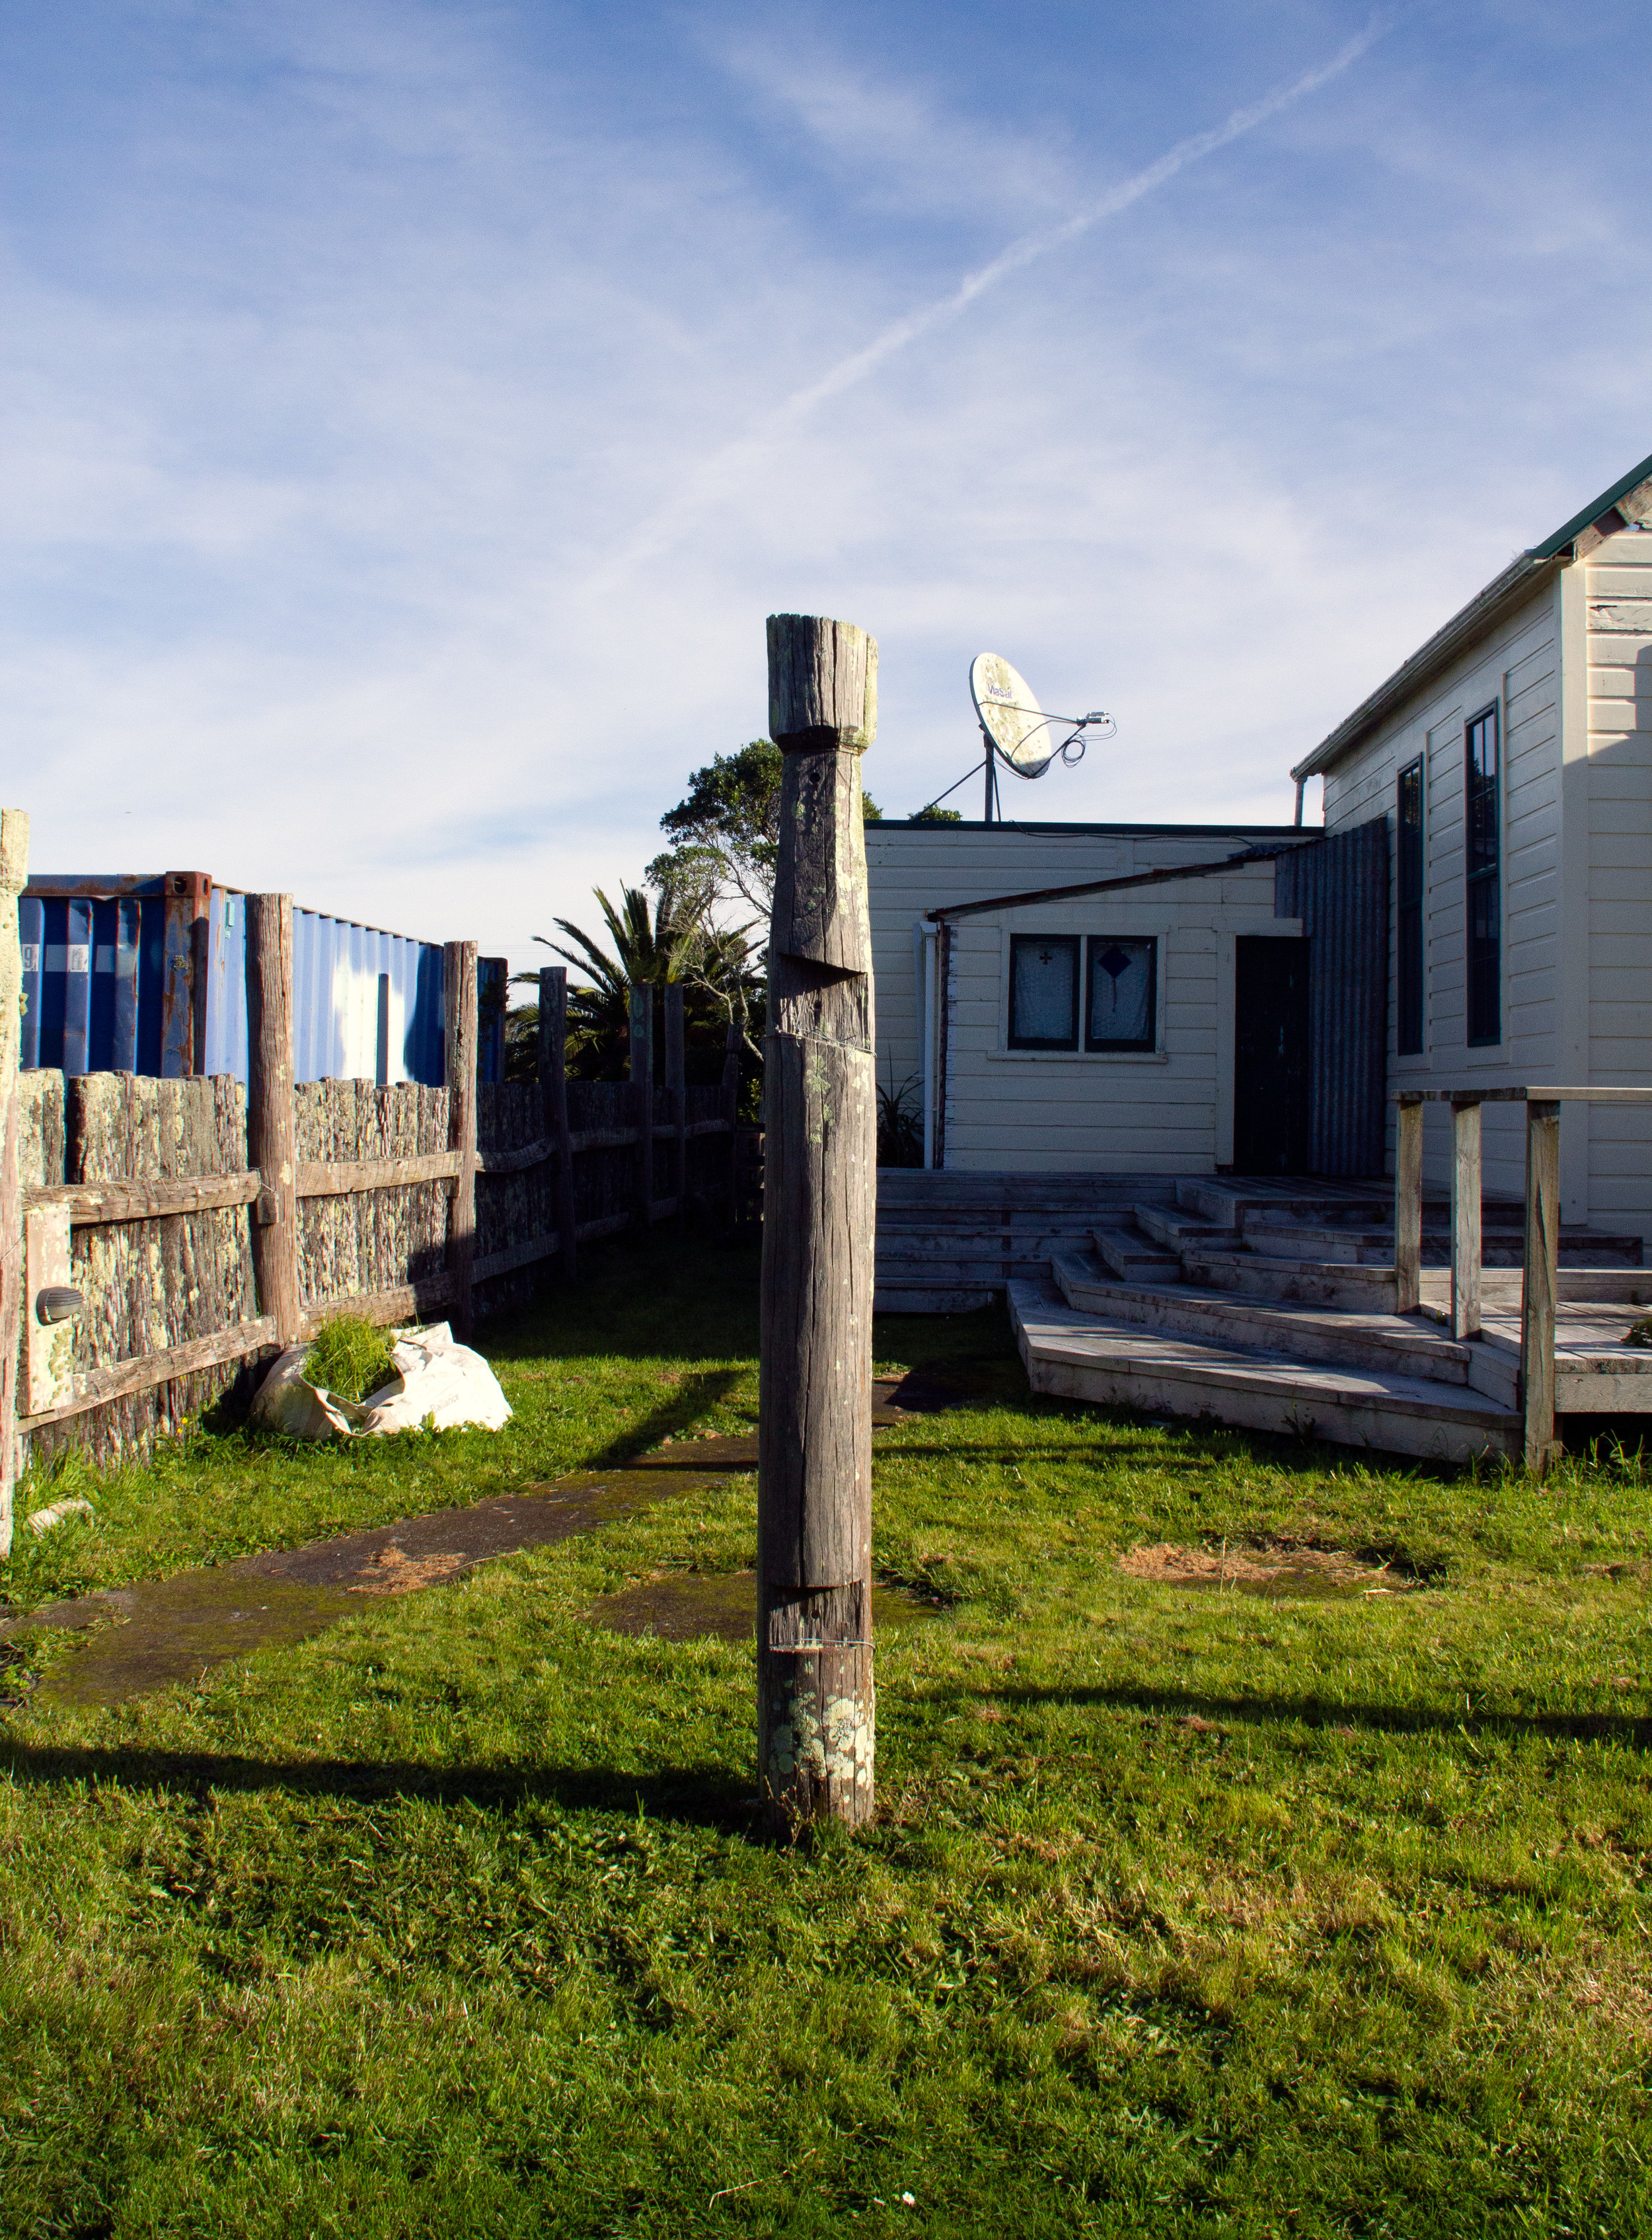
<point x="14" y="877"/>
<point x="815" y="1700"/>
<point x="184" y="987"/>
<point x="1408" y="1206"/>
<point x="676" y="1080"/>
<point x="1539" y="1282"/>
<point x="459" y="1008"/>
<point x="553" y="1079"/>
<point x="271" y="1119"/>
<point x="732" y="1113"/>
<point x="642" y="1065"/>
<point x="1465" y="1217"/>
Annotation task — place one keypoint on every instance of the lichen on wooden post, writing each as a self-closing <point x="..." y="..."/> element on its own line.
<point x="271" y="1110"/>
<point x="460" y="1017"/>
<point x="14" y="877"/>
<point x="815" y="1691"/>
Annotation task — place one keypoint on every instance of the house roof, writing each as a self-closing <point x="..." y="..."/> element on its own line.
<point x="1628" y="500"/>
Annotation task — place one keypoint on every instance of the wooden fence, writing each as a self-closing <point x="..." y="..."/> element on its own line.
<point x="207" y="1224"/>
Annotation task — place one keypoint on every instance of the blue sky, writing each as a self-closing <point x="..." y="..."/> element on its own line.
<point x="413" y="412"/>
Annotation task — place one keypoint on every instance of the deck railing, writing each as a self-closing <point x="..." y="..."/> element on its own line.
<point x="1540" y="1281"/>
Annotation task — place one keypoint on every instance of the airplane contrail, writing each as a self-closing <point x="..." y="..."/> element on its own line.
<point x="662" y="529"/>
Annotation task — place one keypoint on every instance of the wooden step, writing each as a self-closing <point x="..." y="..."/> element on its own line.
<point x="1306" y="1283"/>
<point x="1170" y="1226"/>
<point x="1115" y="1363"/>
<point x="938" y="1298"/>
<point x="1411" y="1345"/>
<point x="1136" y="1258"/>
<point x="1579" y="1245"/>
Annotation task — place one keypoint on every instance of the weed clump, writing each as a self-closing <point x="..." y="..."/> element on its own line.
<point x="349" y="1357"/>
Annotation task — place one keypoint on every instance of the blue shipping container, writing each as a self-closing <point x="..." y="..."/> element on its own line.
<point x="96" y="965"/>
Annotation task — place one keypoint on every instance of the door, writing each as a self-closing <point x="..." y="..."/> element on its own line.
<point x="1270" y="1055"/>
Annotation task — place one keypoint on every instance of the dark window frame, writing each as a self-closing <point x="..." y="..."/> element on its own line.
<point x="1110" y="1047"/>
<point x="1410" y="905"/>
<point x="1482" y="879"/>
<point x="1046" y="1041"/>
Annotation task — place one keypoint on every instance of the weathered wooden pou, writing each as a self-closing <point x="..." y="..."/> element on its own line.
<point x="815" y="1710"/>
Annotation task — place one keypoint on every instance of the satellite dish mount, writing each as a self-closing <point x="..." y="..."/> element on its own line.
<point x="1018" y="732"/>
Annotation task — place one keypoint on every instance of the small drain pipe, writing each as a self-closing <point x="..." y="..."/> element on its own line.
<point x="1302" y="787"/>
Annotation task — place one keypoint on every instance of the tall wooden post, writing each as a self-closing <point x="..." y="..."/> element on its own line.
<point x="815" y="1697"/>
<point x="732" y="1113"/>
<point x="459" y="1005"/>
<point x="184" y="986"/>
<point x="1541" y="1282"/>
<point x="642" y="1066"/>
<point x="553" y="1082"/>
<point x="1465" y="1242"/>
<point x="677" y="1081"/>
<point x="271" y="1119"/>
<point x="1408" y="1206"/>
<point x="14" y="877"/>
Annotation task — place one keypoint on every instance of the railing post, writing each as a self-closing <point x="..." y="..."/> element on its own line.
<point x="14" y="877"/>
<point x="271" y="1118"/>
<point x="1408" y="1206"/>
<point x="676" y="1076"/>
<point x="459" y="1006"/>
<point x="642" y="1065"/>
<point x="553" y="1081"/>
<point x="1465" y="1217"/>
<point x="1541" y="1282"/>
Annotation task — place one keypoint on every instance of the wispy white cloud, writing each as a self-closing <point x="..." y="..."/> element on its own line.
<point x="370" y="343"/>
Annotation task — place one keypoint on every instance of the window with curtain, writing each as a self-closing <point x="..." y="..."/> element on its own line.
<point x="1121" y="1013"/>
<point x="1043" y="992"/>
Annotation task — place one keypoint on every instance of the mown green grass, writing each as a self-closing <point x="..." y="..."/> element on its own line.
<point x="1184" y="1913"/>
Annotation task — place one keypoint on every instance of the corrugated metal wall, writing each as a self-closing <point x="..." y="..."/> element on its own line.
<point x="366" y="1004"/>
<point x="91" y="981"/>
<point x="1339" y="888"/>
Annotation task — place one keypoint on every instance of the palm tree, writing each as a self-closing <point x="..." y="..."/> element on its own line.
<point x="654" y="943"/>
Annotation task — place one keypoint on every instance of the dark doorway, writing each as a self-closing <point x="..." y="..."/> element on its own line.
<point x="1270" y="1055"/>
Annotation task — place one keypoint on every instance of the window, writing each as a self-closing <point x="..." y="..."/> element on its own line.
<point x="1410" y="881"/>
<point x="1043" y="992"/>
<point x="1121" y="1013"/>
<point x="1482" y="867"/>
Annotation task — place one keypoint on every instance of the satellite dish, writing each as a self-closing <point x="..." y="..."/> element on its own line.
<point x="1010" y="715"/>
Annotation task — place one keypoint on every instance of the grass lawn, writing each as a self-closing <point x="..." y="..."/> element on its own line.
<point x="1185" y="1913"/>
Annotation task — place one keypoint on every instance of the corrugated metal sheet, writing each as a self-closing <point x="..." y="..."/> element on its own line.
<point x="366" y="1003"/>
<point x="1339" y="888"/>
<point x="91" y="980"/>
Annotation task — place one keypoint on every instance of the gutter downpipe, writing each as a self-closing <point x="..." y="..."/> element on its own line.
<point x="1302" y="787"/>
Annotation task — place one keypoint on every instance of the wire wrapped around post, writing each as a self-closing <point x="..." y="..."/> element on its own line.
<point x="814" y="1689"/>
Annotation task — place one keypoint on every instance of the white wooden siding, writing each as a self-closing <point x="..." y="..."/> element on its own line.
<point x="1619" y="626"/>
<point x="1517" y="667"/>
<point x="1042" y="1112"/>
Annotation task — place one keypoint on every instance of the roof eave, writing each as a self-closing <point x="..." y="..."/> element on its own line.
<point x="1516" y="584"/>
<point x="1627" y="502"/>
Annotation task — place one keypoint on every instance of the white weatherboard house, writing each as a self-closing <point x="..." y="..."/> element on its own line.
<point x="1160" y="1066"/>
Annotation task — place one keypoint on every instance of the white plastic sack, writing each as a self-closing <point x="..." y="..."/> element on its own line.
<point x="437" y="1381"/>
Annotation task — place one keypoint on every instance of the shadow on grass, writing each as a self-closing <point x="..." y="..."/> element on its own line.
<point x="1631" y="1733"/>
<point x="698" y="1796"/>
<point x="692" y="1399"/>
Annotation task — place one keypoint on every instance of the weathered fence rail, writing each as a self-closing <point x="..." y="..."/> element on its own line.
<point x="195" y="1258"/>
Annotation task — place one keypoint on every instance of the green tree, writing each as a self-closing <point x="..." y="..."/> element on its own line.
<point x="725" y="831"/>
